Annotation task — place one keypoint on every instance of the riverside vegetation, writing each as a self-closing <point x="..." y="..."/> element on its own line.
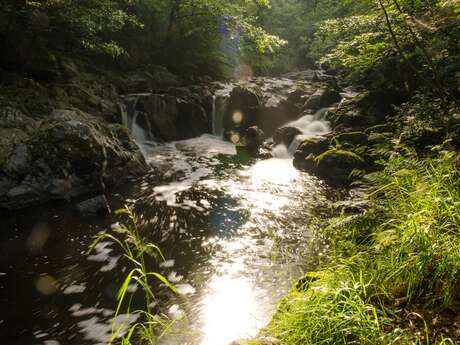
<point x="391" y="269"/>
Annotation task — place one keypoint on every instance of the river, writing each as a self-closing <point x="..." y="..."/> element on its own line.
<point x="235" y="236"/>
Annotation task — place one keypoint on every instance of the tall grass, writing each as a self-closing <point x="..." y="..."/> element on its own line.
<point x="403" y="253"/>
<point x="150" y="328"/>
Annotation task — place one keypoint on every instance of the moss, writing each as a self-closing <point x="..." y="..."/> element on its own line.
<point x="316" y="146"/>
<point x="354" y="138"/>
<point x="337" y="165"/>
<point x="341" y="156"/>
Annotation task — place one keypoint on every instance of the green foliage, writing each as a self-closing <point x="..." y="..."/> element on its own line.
<point x="151" y="327"/>
<point x="402" y="253"/>
<point x="426" y="121"/>
<point x="186" y="36"/>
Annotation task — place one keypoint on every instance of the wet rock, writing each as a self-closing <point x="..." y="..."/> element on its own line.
<point x="305" y="163"/>
<point x="349" y="115"/>
<point x="94" y="206"/>
<point x="266" y="102"/>
<point x="314" y="145"/>
<point x="252" y="142"/>
<point x="192" y="121"/>
<point x="365" y="109"/>
<point x="351" y="207"/>
<point x="285" y="135"/>
<point x="333" y="165"/>
<point x="15" y="128"/>
<point x="322" y="98"/>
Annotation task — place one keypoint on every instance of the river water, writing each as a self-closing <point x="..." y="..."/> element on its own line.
<point x="234" y="234"/>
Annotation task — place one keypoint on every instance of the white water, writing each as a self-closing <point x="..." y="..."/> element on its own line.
<point x="310" y="126"/>
<point x="137" y="132"/>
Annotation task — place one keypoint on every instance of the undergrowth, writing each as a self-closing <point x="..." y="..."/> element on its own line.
<point x="149" y="327"/>
<point x="394" y="270"/>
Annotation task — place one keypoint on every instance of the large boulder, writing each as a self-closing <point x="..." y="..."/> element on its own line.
<point x="308" y="150"/>
<point x="66" y="155"/>
<point x="242" y="110"/>
<point x="285" y="135"/>
<point x="365" y="109"/>
<point x="336" y="166"/>
<point x="266" y="102"/>
<point x="322" y="98"/>
<point x="251" y="143"/>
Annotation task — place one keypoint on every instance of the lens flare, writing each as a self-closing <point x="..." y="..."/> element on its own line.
<point x="46" y="285"/>
<point x="235" y="138"/>
<point x="237" y="116"/>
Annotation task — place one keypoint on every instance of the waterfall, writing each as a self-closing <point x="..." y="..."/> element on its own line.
<point x="219" y="107"/>
<point x="214" y="124"/>
<point x="310" y="126"/>
<point x="139" y="134"/>
<point x="129" y="119"/>
<point x="124" y="115"/>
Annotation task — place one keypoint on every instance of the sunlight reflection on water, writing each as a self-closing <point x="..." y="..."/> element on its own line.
<point x="238" y="286"/>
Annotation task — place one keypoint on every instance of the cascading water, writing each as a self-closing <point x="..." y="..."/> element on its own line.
<point x="310" y="126"/>
<point x="130" y="119"/>
<point x="139" y="134"/>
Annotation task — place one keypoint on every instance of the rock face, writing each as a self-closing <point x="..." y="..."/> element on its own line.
<point x="63" y="156"/>
<point x="285" y="135"/>
<point x="176" y="115"/>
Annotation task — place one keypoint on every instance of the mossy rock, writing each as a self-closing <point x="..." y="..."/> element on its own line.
<point x="314" y="145"/>
<point x="336" y="166"/>
<point x="353" y="138"/>
<point x="307" y="150"/>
